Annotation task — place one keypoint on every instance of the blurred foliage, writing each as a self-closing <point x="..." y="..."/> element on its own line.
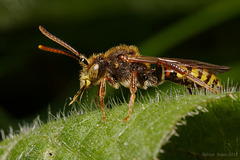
<point x="31" y="79"/>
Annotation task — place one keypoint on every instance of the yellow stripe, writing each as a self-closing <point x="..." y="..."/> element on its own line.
<point x="180" y="75"/>
<point x="204" y="75"/>
<point x="218" y="84"/>
<point x="195" y="72"/>
<point x="213" y="77"/>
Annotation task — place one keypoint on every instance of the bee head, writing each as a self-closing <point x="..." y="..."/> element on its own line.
<point x="94" y="71"/>
<point x="94" y="68"/>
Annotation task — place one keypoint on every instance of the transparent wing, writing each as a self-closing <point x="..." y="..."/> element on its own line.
<point x="212" y="68"/>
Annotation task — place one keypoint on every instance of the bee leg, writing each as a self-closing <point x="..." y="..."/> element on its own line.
<point x="76" y="96"/>
<point x="102" y="93"/>
<point x="96" y="97"/>
<point x="189" y="90"/>
<point x="159" y="73"/>
<point x="133" y="89"/>
<point x="185" y="73"/>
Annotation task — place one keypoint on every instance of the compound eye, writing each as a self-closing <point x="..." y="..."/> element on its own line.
<point x="93" y="72"/>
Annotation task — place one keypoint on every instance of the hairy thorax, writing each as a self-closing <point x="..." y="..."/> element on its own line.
<point x="121" y="71"/>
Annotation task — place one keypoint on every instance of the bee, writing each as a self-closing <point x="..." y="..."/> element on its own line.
<point x="123" y="65"/>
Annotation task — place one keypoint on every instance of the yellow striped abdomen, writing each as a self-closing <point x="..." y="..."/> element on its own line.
<point x="202" y="74"/>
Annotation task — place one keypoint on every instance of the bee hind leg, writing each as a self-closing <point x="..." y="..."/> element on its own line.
<point x="189" y="90"/>
<point x="186" y="74"/>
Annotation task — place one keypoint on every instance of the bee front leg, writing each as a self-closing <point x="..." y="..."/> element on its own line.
<point x="133" y="89"/>
<point x="102" y="93"/>
<point x="80" y="92"/>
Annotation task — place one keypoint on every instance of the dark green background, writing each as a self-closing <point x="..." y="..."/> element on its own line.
<point x="31" y="79"/>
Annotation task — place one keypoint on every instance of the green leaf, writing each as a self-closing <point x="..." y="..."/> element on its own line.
<point x="153" y="122"/>
<point x="210" y="135"/>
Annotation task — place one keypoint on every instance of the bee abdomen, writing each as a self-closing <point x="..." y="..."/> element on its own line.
<point x="209" y="78"/>
<point x="202" y="74"/>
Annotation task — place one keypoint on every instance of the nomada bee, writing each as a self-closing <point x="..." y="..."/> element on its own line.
<point x="124" y="65"/>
